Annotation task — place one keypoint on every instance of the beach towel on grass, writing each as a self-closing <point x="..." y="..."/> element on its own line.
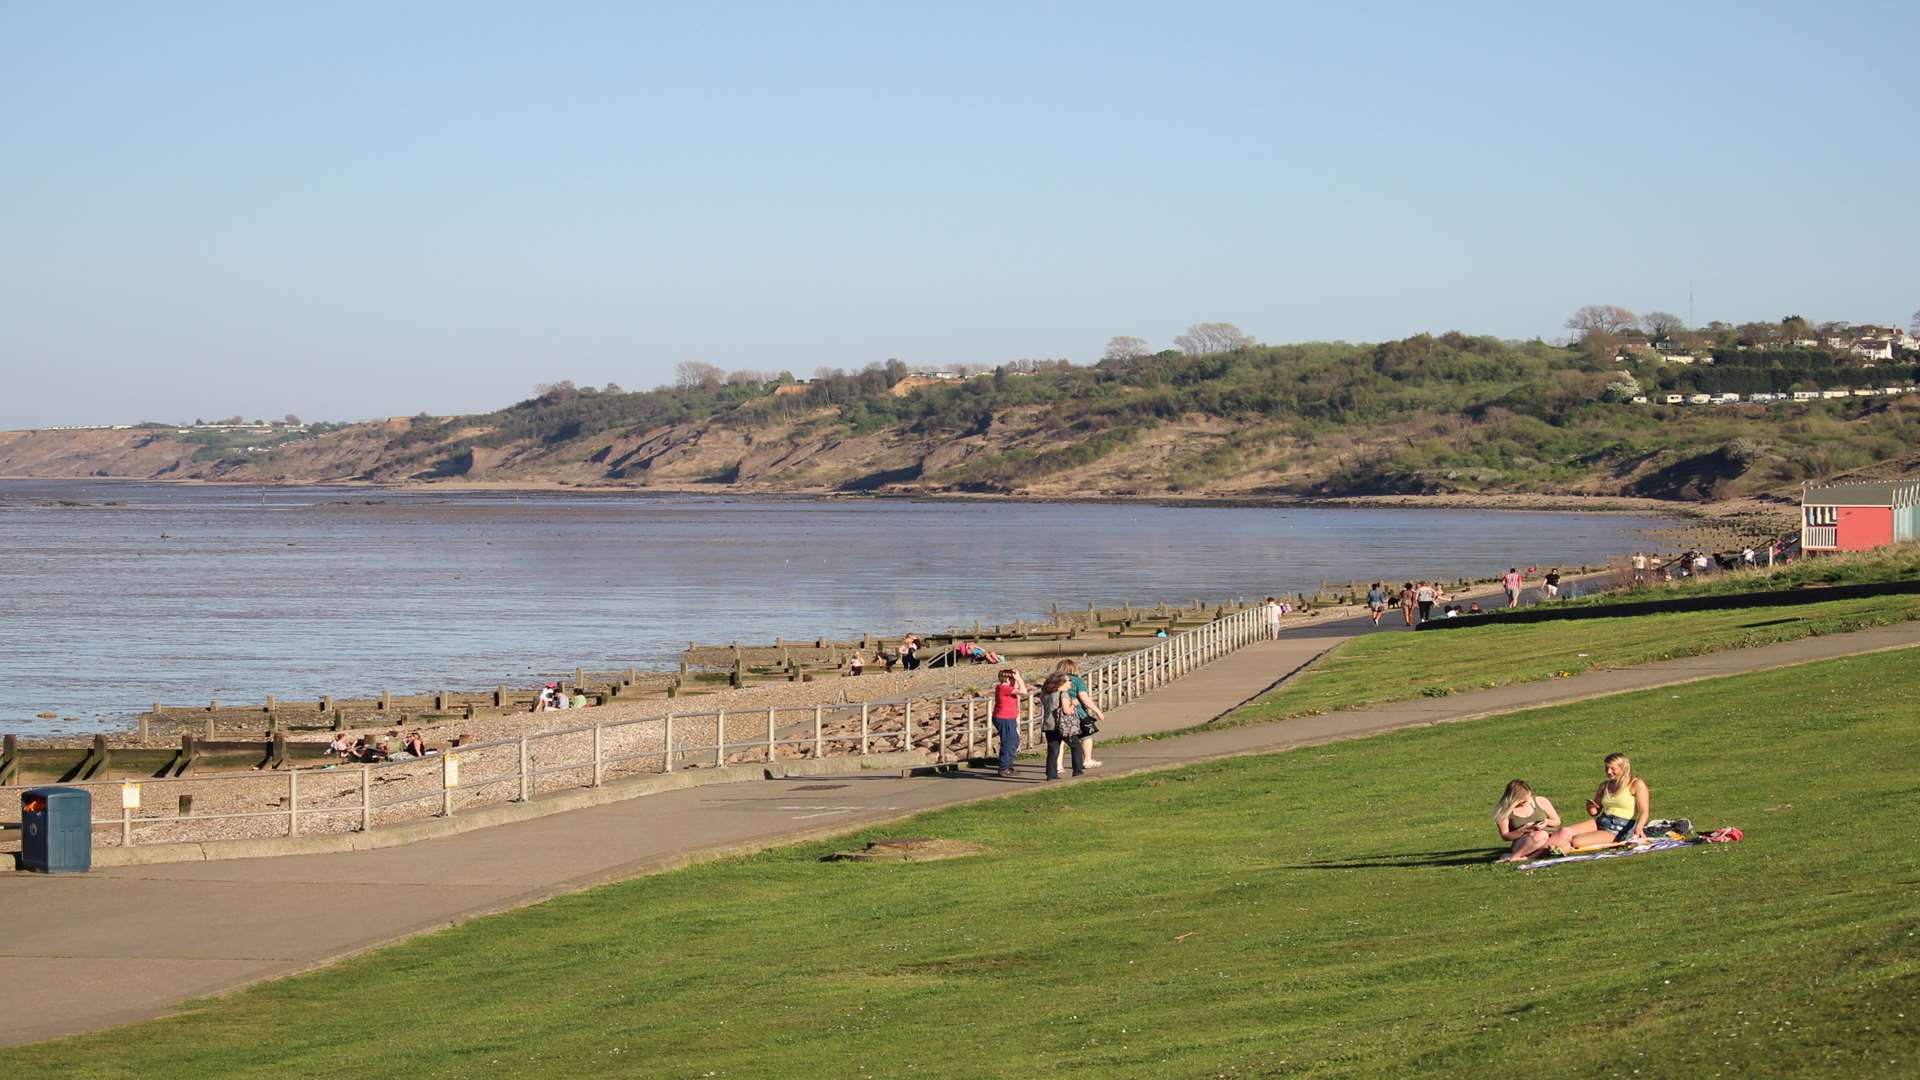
<point x="1664" y="844"/>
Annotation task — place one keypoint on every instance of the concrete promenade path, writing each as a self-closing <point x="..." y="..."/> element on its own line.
<point x="82" y="952"/>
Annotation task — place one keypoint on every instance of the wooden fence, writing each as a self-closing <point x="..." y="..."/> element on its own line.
<point x="947" y="728"/>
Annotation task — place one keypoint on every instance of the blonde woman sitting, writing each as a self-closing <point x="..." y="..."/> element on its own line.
<point x="1619" y="810"/>
<point x="1524" y="819"/>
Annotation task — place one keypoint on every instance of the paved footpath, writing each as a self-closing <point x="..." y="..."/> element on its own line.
<point x="82" y="952"/>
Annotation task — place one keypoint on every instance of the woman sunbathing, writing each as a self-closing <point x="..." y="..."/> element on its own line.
<point x="1525" y="819"/>
<point x="1619" y="809"/>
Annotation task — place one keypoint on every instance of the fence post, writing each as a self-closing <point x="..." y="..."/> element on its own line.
<point x="906" y="738"/>
<point x="126" y="826"/>
<point x="819" y="746"/>
<point x="863" y="728"/>
<point x="526" y="774"/>
<point x="969" y="729"/>
<point x="293" y="802"/>
<point x="720" y="739"/>
<point x="769" y="734"/>
<point x="940" y="751"/>
<point x="599" y="758"/>
<point x="666" y="746"/>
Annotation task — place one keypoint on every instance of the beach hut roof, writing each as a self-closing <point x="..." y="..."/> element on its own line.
<point x="1878" y="493"/>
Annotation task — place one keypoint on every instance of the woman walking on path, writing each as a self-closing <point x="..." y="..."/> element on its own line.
<point x="1524" y="819"/>
<point x="1061" y="723"/>
<point x="1007" y="695"/>
<point x="1424" y="597"/>
<point x="1377" y="603"/>
<point x="1619" y="810"/>
<point x="1088" y="714"/>
<point x="1407" y="602"/>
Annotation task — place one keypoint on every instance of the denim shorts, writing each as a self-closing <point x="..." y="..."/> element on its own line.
<point x="1614" y="825"/>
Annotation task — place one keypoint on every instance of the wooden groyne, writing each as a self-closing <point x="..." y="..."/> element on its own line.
<point x="703" y="668"/>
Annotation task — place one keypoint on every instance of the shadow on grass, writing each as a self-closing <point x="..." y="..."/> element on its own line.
<point x="1408" y="861"/>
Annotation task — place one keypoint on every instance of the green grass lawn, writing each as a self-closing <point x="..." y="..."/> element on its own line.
<point x="1388" y="667"/>
<point x="1325" y="912"/>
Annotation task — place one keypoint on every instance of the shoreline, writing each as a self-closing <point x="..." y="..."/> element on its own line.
<point x="1514" y="502"/>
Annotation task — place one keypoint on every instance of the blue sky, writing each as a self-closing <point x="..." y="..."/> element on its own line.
<point x="356" y="209"/>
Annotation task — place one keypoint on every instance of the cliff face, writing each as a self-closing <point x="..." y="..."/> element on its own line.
<point x="812" y="453"/>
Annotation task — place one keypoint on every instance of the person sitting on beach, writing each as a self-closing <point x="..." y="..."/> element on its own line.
<point x="341" y="747"/>
<point x="1452" y="612"/>
<point x="886" y="658"/>
<point x="560" y="698"/>
<point x="579" y="699"/>
<point x="1618" y="810"/>
<point x="909" y="650"/>
<point x="416" y="745"/>
<point x="1525" y="820"/>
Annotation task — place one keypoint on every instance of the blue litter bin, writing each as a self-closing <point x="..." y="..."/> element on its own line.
<point x="56" y="830"/>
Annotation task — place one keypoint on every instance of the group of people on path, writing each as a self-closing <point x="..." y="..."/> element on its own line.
<point x="1417" y="599"/>
<point x="1618" y="812"/>
<point x="1069" y="718"/>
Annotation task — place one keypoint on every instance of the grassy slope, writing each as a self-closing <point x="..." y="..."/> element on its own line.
<point x="1322" y="912"/>
<point x="1396" y="667"/>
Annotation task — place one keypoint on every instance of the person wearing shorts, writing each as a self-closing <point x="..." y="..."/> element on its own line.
<point x="1513" y="583"/>
<point x="1377" y="602"/>
<point x="1619" y="807"/>
<point x="1553" y="583"/>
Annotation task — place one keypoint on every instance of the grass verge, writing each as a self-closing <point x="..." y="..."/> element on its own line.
<point x="1325" y="912"/>
<point x="1389" y="667"/>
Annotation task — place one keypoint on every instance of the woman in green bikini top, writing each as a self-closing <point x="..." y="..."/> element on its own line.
<point x="1524" y="819"/>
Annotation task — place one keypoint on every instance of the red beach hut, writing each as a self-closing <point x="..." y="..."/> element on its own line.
<point x="1857" y="517"/>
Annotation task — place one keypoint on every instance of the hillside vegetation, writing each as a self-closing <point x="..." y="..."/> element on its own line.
<point x="1430" y="414"/>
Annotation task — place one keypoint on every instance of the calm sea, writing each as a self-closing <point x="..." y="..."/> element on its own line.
<point x="116" y="594"/>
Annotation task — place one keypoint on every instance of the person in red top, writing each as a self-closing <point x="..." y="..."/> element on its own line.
<point x="1008" y="693"/>
<point x="1514" y="583"/>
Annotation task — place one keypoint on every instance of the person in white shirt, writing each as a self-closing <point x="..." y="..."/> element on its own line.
<point x="1272" y="612"/>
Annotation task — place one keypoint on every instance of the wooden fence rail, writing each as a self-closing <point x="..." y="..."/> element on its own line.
<point x="948" y="728"/>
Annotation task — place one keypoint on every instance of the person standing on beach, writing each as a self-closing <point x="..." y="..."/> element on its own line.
<point x="1553" y="583"/>
<point x="1377" y="602"/>
<point x="1272" y="612"/>
<point x="1513" y="583"/>
<point x="1639" y="566"/>
<point x="1423" y="595"/>
<point x="1008" y="693"/>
